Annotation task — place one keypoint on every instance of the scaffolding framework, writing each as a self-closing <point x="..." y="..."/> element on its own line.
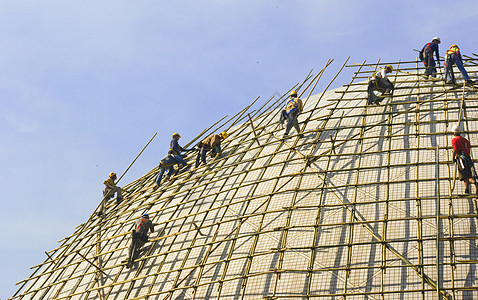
<point x="366" y="206"/>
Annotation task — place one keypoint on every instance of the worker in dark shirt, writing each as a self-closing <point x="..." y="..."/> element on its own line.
<point x="426" y="56"/>
<point x="175" y="149"/>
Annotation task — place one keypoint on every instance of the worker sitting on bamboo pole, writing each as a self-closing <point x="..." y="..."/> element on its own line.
<point x="211" y="143"/>
<point x="167" y="163"/>
<point x="291" y="111"/>
<point x="111" y="189"/>
<point x="453" y="57"/>
<point x="461" y="156"/>
<point x="139" y="237"/>
<point x="426" y="56"/>
<point x="176" y="150"/>
<point x="380" y="83"/>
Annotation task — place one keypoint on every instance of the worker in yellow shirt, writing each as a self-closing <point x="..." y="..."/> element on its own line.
<point x="111" y="189"/>
<point x="290" y="113"/>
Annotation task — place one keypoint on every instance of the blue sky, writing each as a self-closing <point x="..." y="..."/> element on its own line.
<point x="84" y="85"/>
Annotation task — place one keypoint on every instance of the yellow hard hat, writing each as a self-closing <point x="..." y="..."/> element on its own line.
<point x="390" y="67"/>
<point x="224" y="134"/>
<point x="112" y="174"/>
<point x="454" y="46"/>
<point x="176" y="134"/>
<point x="293" y="94"/>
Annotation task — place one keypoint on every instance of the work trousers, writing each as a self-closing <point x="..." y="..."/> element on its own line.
<point x="430" y="62"/>
<point x="162" y="169"/>
<point x="110" y="192"/>
<point x="291" y="119"/>
<point x="449" y="75"/>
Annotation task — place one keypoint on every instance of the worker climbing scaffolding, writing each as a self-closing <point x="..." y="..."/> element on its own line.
<point x="139" y="237"/>
<point x="175" y="149"/>
<point x="379" y="82"/>
<point x="453" y="57"/>
<point x="109" y="192"/>
<point x="461" y="156"/>
<point x="211" y="143"/>
<point x="168" y="163"/>
<point x="111" y="188"/>
<point x="426" y="56"/>
<point x="290" y="113"/>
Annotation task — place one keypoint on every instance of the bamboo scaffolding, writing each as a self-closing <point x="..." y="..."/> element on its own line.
<point x="213" y="219"/>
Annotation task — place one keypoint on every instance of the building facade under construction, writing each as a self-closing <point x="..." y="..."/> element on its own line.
<point x="367" y="205"/>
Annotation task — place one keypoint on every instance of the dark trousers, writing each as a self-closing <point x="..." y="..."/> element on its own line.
<point x="430" y="62"/>
<point x="201" y="157"/>
<point x="291" y="118"/>
<point x="449" y="74"/>
<point x="138" y="239"/>
<point x="378" y="84"/>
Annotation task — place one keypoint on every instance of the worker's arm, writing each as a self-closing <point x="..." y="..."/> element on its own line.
<point x="151" y="227"/>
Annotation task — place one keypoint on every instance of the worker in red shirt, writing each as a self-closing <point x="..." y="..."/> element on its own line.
<point x="139" y="237"/>
<point x="461" y="155"/>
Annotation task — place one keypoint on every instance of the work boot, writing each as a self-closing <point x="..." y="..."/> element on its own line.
<point x="370" y="100"/>
<point x="155" y="186"/>
<point x="469" y="81"/>
<point x="118" y="200"/>
<point x="450" y="82"/>
<point x="301" y="136"/>
<point x="467" y="191"/>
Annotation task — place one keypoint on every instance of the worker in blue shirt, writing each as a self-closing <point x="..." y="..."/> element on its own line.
<point x="426" y="56"/>
<point x="176" y="150"/>
<point x="168" y="163"/>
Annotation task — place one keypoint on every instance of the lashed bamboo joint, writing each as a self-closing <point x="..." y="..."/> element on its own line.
<point x="366" y="205"/>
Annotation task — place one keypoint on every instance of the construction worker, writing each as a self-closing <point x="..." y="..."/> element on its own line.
<point x="176" y="150"/>
<point x="291" y="111"/>
<point x="111" y="189"/>
<point x="426" y="56"/>
<point x="461" y="156"/>
<point x="380" y="83"/>
<point x="139" y="237"/>
<point x="213" y="143"/>
<point x="453" y="56"/>
<point x="167" y="163"/>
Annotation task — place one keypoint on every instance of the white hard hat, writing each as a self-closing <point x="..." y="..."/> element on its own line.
<point x="455" y="129"/>
<point x="437" y="38"/>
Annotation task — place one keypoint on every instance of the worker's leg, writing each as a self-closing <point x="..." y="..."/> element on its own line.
<point x="160" y="175"/>
<point x="170" y="171"/>
<point x="449" y="76"/>
<point x="460" y="66"/>
<point x="180" y="159"/>
<point x="290" y="120"/>
<point x="431" y="66"/>
<point x="119" y="192"/>
<point x="283" y="117"/>
<point x="430" y="63"/>
<point x="372" y="86"/>
<point x="203" y="154"/>
<point x="198" y="157"/>
<point x="385" y="85"/>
